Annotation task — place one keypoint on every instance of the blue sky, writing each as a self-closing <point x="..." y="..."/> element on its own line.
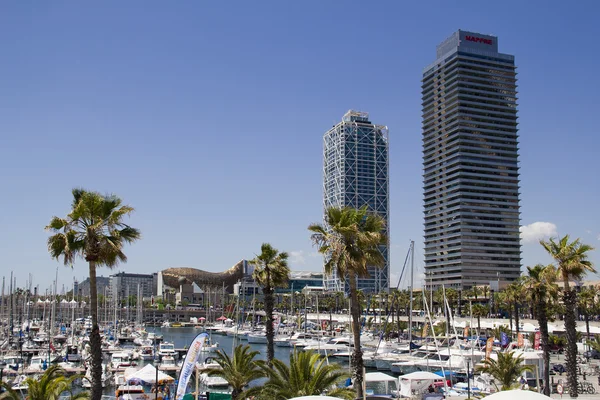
<point x="208" y="117"/>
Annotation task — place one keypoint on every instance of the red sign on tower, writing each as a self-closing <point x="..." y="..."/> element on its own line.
<point x="478" y="39"/>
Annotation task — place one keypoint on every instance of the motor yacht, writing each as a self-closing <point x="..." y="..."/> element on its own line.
<point x="167" y="349"/>
<point x="168" y="364"/>
<point x="147" y="353"/>
<point x="120" y="360"/>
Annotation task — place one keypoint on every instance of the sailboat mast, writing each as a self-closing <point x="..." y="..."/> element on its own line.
<point x="412" y="267"/>
<point x="2" y="313"/>
<point x="73" y="313"/>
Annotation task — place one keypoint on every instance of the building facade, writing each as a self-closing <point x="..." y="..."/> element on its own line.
<point x="102" y="286"/>
<point x="300" y="280"/>
<point x="126" y="284"/>
<point x="355" y="174"/>
<point x="470" y="164"/>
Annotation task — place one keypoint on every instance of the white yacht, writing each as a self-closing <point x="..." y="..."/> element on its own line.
<point x="120" y="360"/>
<point x="168" y="364"/>
<point x="214" y="384"/>
<point x="37" y="363"/>
<point x="13" y="362"/>
<point x="167" y="349"/>
<point x="289" y="340"/>
<point x="332" y="346"/>
<point x="257" y="337"/>
<point x="384" y="361"/>
<point x="147" y="353"/>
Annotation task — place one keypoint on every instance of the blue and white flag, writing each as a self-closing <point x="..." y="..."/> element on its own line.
<point x="503" y="339"/>
<point x="189" y="364"/>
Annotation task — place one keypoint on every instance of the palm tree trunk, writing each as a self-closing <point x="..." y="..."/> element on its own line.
<point x="542" y="315"/>
<point x="587" y="326"/>
<point x="510" y="318"/>
<point x="398" y="322"/>
<point x="357" y="360"/>
<point x="570" y="301"/>
<point x="268" y="291"/>
<point x="95" y="341"/>
<point x="478" y="326"/>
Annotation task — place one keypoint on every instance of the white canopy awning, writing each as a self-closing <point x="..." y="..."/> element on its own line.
<point x="148" y="375"/>
<point x="315" y="398"/>
<point x="378" y="377"/>
<point x="529" y="327"/>
<point x="594" y="330"/>
<point x="421" y="375"/>
<point x="517" y="395"/>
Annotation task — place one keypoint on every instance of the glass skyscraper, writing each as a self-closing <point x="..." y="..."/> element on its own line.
<point x="355" y="174"/>
<point x="470" y="164"/>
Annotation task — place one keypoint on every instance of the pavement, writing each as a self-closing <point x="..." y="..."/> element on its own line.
<point x="593" y="379"/>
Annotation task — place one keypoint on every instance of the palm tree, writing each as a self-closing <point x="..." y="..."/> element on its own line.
<point x="595" y="343"/>
<point x="270" y="271"/>
<point x="452" y="297"/>
<point x="328" y="303"/>
<point x="49" y="386"/>
<point x="573" y="263"/>
<point x="541" y="291"/>
<point x="588" y="304"/>
<point x="506" y="369"/>
<point x="94" y="230"/>
<point x="515" y="293"/>
<point x="307" y="375"/>
<point x="351" y="241"/>
<point x="239" y="370"/>
<point x="499" y="330"/>
<point x="479" y="310"/>
<point x="441" y="328"/>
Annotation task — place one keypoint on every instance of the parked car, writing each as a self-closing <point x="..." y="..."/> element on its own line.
<point x="594" y="354"/>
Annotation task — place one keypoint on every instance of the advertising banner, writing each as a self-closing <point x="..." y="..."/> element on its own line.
<point x="537" y="341"/>
<point x="503" y="339"/>
<point x="466" y="331"/>
<point x="488" y="347"/>
<point x="189" y="364"/>
<point x="520" y="340"/>
<point x="425" y="330"/>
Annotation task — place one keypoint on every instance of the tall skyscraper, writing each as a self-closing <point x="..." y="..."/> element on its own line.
<point x="470" y="165"/>
<point x="355" y="174"/>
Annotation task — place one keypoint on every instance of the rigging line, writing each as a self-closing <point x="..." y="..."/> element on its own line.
<point x="393" y="302"/>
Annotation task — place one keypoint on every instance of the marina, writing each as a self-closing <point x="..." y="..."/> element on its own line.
<point x="133" y="353"/>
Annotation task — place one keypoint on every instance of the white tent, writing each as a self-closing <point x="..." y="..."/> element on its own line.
<point x="594" y="330"/>
<point x="528" y="327"/>
<point x="460" y="324"/>
<point x="420" y="375"/>
<point x="556" y="328"/>
<point x="417" y="382"/>
<point x="380" y="384"/>
<point x="148" y="375"/>
<point x="315" y="398"/>
<point x="517" y="395"/>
